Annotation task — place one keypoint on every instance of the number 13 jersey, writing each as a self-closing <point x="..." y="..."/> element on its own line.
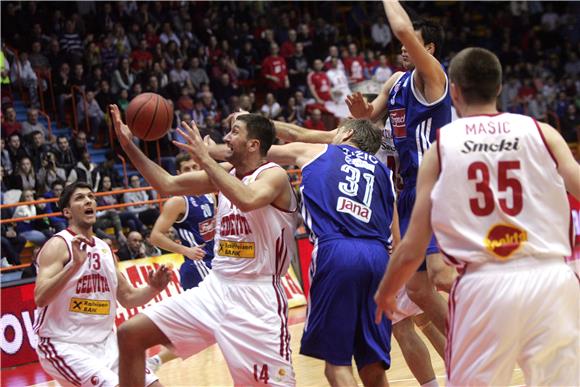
<point x="499" y="195"/>
<point x="347" y="192"/>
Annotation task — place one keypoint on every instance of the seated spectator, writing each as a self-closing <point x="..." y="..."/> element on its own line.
<point x="315" y="121"/>
<point x="104" y="96"/>
<point x="59" y="223"/>
<point x="5" y="161"/>
<point x="150" y="249"/>
<point x="12" y="245"/>
<point x="289" y="111"/>
<point x="109" y="219"/>
<point x="96" y="115"/>
<point x="147" y="213"/>
<point x="24" y="73"/>
<point x="383" y="72"/>
<point x="107" y="168"/>
<point x="355" y="65"/>
<point x="199" y="113"/>
<point x="123" y="77"/>
<point x="15" y="149"/>
<point x="48" y="173"/>
<point x="247" y="60"/>
<point x="197" y="74"/>
<point x="179" y="76"/>
<point x="128" y="219"/>
<point x="298" y="68"/>
<point x="62" y="84"/>
<point x="32" y="125"/>
<point x="79" y="144"/>
<point x="38" y="147"/>
<point x="10" y="126"/>
<point x="123" y="101"/>
<point x="271" y="108"/>
<point x="319" y="84"/>
<point x="141" y="57"/>
<point x="85" y="171"/>
<point x="224" y="90"/>
<point x="37" y="59"/>
<point x="65" y="157"/>
<point x="23" y="178"/>
<point x="133" y="249"/>
<point x="37" y="230"/>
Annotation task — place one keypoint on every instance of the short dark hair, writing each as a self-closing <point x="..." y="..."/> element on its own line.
<point x="181" y="158"/>
<point x="477" y="72"/>
<point x="365" y="135"/>
<point x="431" y="32"/>
<point x="259" y="128"/>
<point x="68" y="192"/>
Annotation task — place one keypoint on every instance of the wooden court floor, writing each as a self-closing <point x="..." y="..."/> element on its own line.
<point x="208" y="368"/>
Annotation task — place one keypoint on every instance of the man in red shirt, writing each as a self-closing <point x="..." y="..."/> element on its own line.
<point x="275" y="73"/>
<point x="315" y="121"/>
<point x="354" y="65"/>
<point x="141" y="58"/>
<point x="319" y="84"/>
<point x="10" y="125"/>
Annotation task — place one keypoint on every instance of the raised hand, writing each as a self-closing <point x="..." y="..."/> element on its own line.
<point x="159" y="278"/>
<point x="123" y="132"/>
<point x="195" y="145"/>
<point x="194" y="253"/>
<point x="358" y="106"/>
<point x="79" y="253"/>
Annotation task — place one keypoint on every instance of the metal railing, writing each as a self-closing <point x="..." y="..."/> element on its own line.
<point x="74" y="90"/>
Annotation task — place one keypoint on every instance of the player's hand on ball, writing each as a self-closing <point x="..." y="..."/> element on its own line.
<point x="123" y="132"/>
<point x="358" y="106"/>
<point x="79" y="250"/>
<point x="194" y="143"/>
<point x="159" y="278"/>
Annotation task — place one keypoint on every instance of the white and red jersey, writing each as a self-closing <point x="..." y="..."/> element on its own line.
<point x="255" y="243"/>
<point x="84" y="311"/>
<point x="321" y="84"/>
<point x="355" y="67"/>
<point x="499" y="195"/>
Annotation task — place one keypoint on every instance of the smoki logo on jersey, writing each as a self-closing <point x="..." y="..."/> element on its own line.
<point x="397" y="117"/>
<point x="503" y="240"/>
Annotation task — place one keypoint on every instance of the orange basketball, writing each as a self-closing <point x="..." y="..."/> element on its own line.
<point x="149" y="116"/>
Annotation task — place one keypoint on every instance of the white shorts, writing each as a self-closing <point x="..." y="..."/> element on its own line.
<point x="525" y="311"/>
<point x="92" y="364"/>
<point x="248" y="319"/>
<point x="407" y="307"/>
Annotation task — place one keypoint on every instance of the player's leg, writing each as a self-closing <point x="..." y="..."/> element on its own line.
<point x="339" y="375"/>
<point x="415" y="352"/>
<point x="422" y="292"/>
<point x="374" y="375"/>
<point x="436" y="338"/>
<point x="134" y="337"/>
<point x="550" y="354"/>
<point x="441" y="275"/>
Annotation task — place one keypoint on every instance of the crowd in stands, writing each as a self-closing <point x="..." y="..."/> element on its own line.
<point x="288" y="61"/>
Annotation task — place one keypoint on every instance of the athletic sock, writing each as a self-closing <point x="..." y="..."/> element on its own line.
<point x="432" y="383"/>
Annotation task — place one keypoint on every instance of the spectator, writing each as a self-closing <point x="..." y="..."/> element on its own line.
<point x="150" y="249"/>
<point x="59" y="223"/>
<point x="319" y="84"/>
<point x="247" y="60"/>
<point x="48" y="173"/>
<point x="12" y="245"/>
<point x="315" y="121"/>
<point x="298" y="68"/>
<point x="224" y="90"/>
<point x="95" y="114"/>
<point x="107" y="168"/>
<point x="141" y="57"/>
<point x="10" y="126"/>
<point x="168" y="35"/>
<point x="121" y="41"/>
<point x="123" y="77"/>
<point x="180" y="77"/>
<point x="37" y="149"/>
<point x="123" y="101"/>
<point x="15" y="149"/>
<point x="171" y="53"/>
<point x="159" y="71"/>
<point x="333" y="54"/>
<point x="71" y="42"/>
<point x="85" y="171"/>
<point x="104" y="96"/>
<point x="37" y="59"/>
<point x="383" y="72"/>
<point x="109" y="55"/>
<point x="199" y="113"/>
<point x="5" y="160"/>
<point x="133" y="249"/>
<point x="381" y="34"/>
<point x="289" y="46"/>
<point x="79" y="145"/>
<point x="271" y="108"/>
<point x="23" y="178"/>
<point x="62" y="89"/>
<point x="147" y="213"/>
<point x="289" y="111"/>
<point x="93" y="57"/>
<point x="55" y="57"/>
<point x="355" y="65"/>
<point x="275" y="72"/>
<point x="32" y="125"/>
<point x="570" y="124"/>
<point x="35" y="231"/>
<point x="127" y="218"/>
<point x="23" y="72"/>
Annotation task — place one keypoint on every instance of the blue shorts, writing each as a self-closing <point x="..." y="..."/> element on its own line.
<point x="193" y="272"/>
<point x="341" y="310"/>
<point x="405" y="203"/>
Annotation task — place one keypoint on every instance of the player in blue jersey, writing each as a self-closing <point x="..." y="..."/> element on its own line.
<point x="193" y="219"/>
<point x="348" y="205"/>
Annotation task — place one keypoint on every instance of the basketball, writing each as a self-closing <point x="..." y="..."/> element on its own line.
<point x="149" y="116"/>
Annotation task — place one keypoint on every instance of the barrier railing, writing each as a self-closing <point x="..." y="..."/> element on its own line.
<point x="78" y="89"/>
<point x="48" y="122"/>
<point x="125" y="177"/>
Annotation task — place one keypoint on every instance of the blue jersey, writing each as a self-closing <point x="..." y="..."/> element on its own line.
<point x="197" y="226"/>
<point x="414" y="123"/>
<point x="347" y="192"/>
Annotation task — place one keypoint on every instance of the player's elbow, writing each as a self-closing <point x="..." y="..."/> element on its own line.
<point x="156" y="237"/>
<point x="40" y="300"/>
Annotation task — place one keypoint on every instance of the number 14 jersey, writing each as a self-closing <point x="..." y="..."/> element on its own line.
<point x="499" y="195"/>
<point x="347" y="192"/>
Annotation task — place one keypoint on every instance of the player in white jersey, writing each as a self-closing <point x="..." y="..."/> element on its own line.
<point x="507" y="227"/>
<point x="77" y="289"/>
<point x="241" y="304"/>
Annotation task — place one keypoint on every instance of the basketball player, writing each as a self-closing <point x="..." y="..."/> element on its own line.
<point x="240" y="304"/>
<point x="76" y="293"/>
<point x="348" y="205"/>
<point x="507" y="228"/>
<point x="193" y="219"/>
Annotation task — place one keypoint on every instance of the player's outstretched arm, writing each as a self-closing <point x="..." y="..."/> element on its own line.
<point x="295" y="153"/>
<point x="294" y="133"/>
<point x="374" y="111"/>
<point x="409" y="254"/>
<point x="172" y="210"/>
<point x="432" y="80"/>
<point x="131" y="297"/>
<point x="268" y="188"/>
<point x="568" y="167"/>
<point x="52" y="275"/>
<point x="192" y="183"/>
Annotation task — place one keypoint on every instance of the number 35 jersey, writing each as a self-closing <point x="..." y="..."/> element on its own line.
<point x="499" y="195"/>
<point x="84" y="310"/>
<point x="347" y="192"/>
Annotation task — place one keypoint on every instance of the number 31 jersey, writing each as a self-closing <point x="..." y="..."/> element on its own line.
<point x="499" y="195"/>
<point x="347" y="192"/>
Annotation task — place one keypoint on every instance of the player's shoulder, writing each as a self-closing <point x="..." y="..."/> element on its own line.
<point x="55" y="249"/>
<point x="175" y="203"/>
<point x="388" y="85"/>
